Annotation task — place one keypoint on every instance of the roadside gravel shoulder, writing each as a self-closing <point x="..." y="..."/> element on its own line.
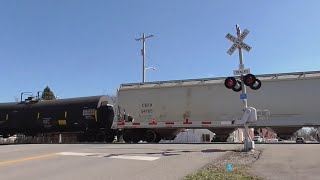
<point x="241" y="163"/>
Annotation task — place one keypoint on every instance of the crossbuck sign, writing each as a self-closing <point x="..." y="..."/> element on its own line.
<point x="237" y="42"/>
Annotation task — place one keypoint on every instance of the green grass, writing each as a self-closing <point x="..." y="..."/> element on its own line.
<point x="217" y="173"/>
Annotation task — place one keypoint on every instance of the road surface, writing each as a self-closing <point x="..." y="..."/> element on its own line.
<point x="106" y="161"/>
<point x="288" y="161"/>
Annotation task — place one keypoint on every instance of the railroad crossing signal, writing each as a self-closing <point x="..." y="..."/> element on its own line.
<point x="240" y="84"/>
<point x="245" y="79"/>
<point x="248" y="80"/>
<point x="237" y="42"/>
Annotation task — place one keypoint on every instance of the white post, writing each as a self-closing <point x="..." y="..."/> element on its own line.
<point x="248" y="143"/>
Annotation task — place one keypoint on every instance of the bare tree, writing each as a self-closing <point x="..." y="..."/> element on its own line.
<point x="306" y="133"/>
<point x="16" y="99"/>
<point x="313" y="133"/>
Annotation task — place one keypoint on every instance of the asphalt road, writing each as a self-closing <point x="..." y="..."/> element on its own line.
<point x="106" y="161"/>
<point x="288" y="161"/>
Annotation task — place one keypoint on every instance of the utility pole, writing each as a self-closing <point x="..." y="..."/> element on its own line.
<point x="143" y="53"/>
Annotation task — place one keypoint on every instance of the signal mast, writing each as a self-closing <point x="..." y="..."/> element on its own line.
<point x="245" y="79"/>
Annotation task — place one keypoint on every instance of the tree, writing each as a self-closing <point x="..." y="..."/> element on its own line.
<point x="313" y="133"/>
<point x="47" y="94"/>
<point x="306" y="133"/>
<point x="16" y="99"/>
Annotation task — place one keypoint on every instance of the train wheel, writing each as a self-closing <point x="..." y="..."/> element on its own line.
<point x="158" y="138"/>
<point x="81" y="138"/>
<point x="91" y="137"/>
<point x="127" y="136"/>
<point x="109" y="137"/>
<point x="100" y="137"/>
<point x="150" y="136"/>
<point x="136" y="138"/>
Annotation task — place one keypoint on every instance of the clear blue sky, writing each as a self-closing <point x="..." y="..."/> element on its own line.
<point x="84" y="48"/>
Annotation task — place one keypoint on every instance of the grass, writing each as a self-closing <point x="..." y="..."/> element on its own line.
<point x="216" y="173"/>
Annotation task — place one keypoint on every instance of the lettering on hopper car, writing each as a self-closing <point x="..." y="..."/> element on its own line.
<point x="146" y="111"/>
<point x="145" y="105"/>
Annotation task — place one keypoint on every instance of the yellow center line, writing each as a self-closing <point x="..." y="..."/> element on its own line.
<point x="26" y="159"/>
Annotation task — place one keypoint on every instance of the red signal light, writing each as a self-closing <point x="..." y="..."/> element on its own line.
<point x="249" y="79"/>
<point x="230" y="82"/>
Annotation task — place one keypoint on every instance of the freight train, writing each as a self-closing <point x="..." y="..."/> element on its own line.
<point x="90" y="117"/>
<point x="156" y="111"/>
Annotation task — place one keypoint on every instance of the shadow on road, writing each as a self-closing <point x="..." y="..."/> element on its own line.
<point x="170" y="152"/>
<point x="213" y="150"/>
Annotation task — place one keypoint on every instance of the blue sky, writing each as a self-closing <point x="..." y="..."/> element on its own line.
<point x="84" y="48"/>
